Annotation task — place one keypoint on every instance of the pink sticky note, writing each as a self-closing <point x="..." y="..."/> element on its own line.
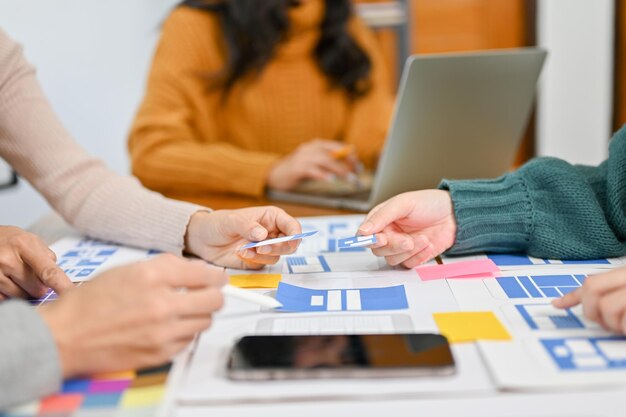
<point x="458" y="270"/>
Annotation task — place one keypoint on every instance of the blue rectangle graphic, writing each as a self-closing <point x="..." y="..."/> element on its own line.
<point x="511" y="287"/>
<point x="299" y="299"/>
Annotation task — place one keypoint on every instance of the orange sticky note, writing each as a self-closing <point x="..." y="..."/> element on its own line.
<point x="469" y="326"/>
<point x="458" y="270"/>
<point x="255" y="280"/>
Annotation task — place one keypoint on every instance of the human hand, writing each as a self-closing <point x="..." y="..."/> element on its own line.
<point x="217" y="236"/>
<point x="311" y="160"/>
<point x="27" y="266"/>
<point x="412" y="228"/>
<point x="134" y="316"/>
<point x="603" y="298"/>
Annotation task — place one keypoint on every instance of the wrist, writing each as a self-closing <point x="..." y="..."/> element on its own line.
<point x="195" y="228"/>
<point x="68" y="347"/>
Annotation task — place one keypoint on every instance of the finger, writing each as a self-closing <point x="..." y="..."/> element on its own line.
<point x="201" y="302"/>
<point x="612" y="308"/>
<point x="594" y="289"/>
<point x="46" y="270"/>
<point x="279" y="249"/>
<point x="400" y="243"/>
<point x="10" y="289"/>
<point x="179" y="272"/>
<point x="26" y="279"/>
<point x="285" y="223"/>
<point x="414" y="257"/>
<point x="189" y="327"/>
<point x="421" y="257"/>
<point x="386" y="214"/>
<point x="251" y="256"/>
<point x="317" y="173"/>
<point x="606" y="282"/>
<point x="381" y="241"/>
<point x="569" y="300"/>
<point x="338" y="168"/>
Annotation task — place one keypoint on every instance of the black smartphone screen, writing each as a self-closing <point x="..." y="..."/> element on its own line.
<point x="375" y="351"/>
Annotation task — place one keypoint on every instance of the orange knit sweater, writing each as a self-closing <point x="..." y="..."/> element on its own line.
<point x="185" y="140"/>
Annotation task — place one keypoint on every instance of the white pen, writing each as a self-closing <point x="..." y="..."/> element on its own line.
<point x="246" y="295"/>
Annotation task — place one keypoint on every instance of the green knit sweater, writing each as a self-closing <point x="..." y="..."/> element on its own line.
<point x="548" y="208"/>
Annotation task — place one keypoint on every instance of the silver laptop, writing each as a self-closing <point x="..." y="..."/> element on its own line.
<point x="457" y="116"/>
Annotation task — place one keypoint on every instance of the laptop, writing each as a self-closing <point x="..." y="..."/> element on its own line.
<point x="457" y="116"/>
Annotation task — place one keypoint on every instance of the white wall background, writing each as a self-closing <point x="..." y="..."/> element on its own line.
<point x="574" y="118"/>
<point x="92" y="58"/>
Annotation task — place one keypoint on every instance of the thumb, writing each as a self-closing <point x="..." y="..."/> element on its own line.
<point x="569" y="300"/>
<point x="380" y="217"/>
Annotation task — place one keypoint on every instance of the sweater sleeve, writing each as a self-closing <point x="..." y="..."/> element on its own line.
<point x="29" y="362"/>
<point x="90" y="197"/>
<point x="371" y="114"/>
<point x="548" y="208"/>
<point x="168" y="151"/>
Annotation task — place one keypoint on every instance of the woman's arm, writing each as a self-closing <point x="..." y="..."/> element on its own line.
<point x="92" y="198"/>
<point x="548" y="208"/>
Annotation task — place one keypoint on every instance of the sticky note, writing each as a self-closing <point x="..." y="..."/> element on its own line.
<point x="299" y="299"/>
<point x="108" y="386"/>
<point x="143" y="396"/>
<point x="458" y="270"/>
<point x="279" y="240"/>
<point x="255" y="280"/>
<point x="356" y="241"/>
<point x="470" y="326"/>
<point x="115" y="375"/>
<point x="62" y="403"/>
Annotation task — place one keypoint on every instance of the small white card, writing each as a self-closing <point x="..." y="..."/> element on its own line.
<point x="279" y="240"/>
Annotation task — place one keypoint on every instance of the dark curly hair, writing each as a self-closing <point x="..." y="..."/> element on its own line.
<point x="253" y="28"/>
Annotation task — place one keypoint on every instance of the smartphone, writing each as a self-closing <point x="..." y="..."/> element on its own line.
<point x="340" y="356"/>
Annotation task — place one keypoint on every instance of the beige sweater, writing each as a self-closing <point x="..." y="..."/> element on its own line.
<point x="93" y="199"/>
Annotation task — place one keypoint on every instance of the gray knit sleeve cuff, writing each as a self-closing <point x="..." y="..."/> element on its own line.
<point x="492" y="215"/>
<point x="30" y="367"/>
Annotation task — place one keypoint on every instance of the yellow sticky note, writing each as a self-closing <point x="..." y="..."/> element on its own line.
<point x="143" y="397"/>
<point x="470" y="326"/>
<point x="255" y="280"/>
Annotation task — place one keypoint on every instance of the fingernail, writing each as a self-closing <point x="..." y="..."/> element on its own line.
<point x="258" y="233"/>
<point x="407" y="245"/>
<point x="366" y="227"/>
<point x="264" y="250"/>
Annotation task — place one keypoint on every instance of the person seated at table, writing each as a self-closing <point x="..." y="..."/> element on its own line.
<point x="548" y="209"/>
<point x="130" y="317"/>
<point x="244" y="95"/>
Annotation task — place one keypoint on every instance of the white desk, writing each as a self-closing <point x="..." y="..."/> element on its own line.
<point x="598" y="403"/>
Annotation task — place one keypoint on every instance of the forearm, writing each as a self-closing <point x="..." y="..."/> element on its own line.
<point x="88" y="195"/>
<point x="196" y="168"/>
<point x="29" y="361"/>
<point x="548" y="208"/>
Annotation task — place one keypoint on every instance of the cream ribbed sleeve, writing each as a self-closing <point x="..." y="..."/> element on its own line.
<point x="90" y="197"/>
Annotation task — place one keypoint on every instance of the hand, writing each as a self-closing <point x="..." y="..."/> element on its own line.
<point x="412" y="228"/>
<point x="603" y="298"/>
<point x="134" y="316"/>
<point x="217" y="236"/>
<point x="27" y="266"/>
<point x="311" y="160"/>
